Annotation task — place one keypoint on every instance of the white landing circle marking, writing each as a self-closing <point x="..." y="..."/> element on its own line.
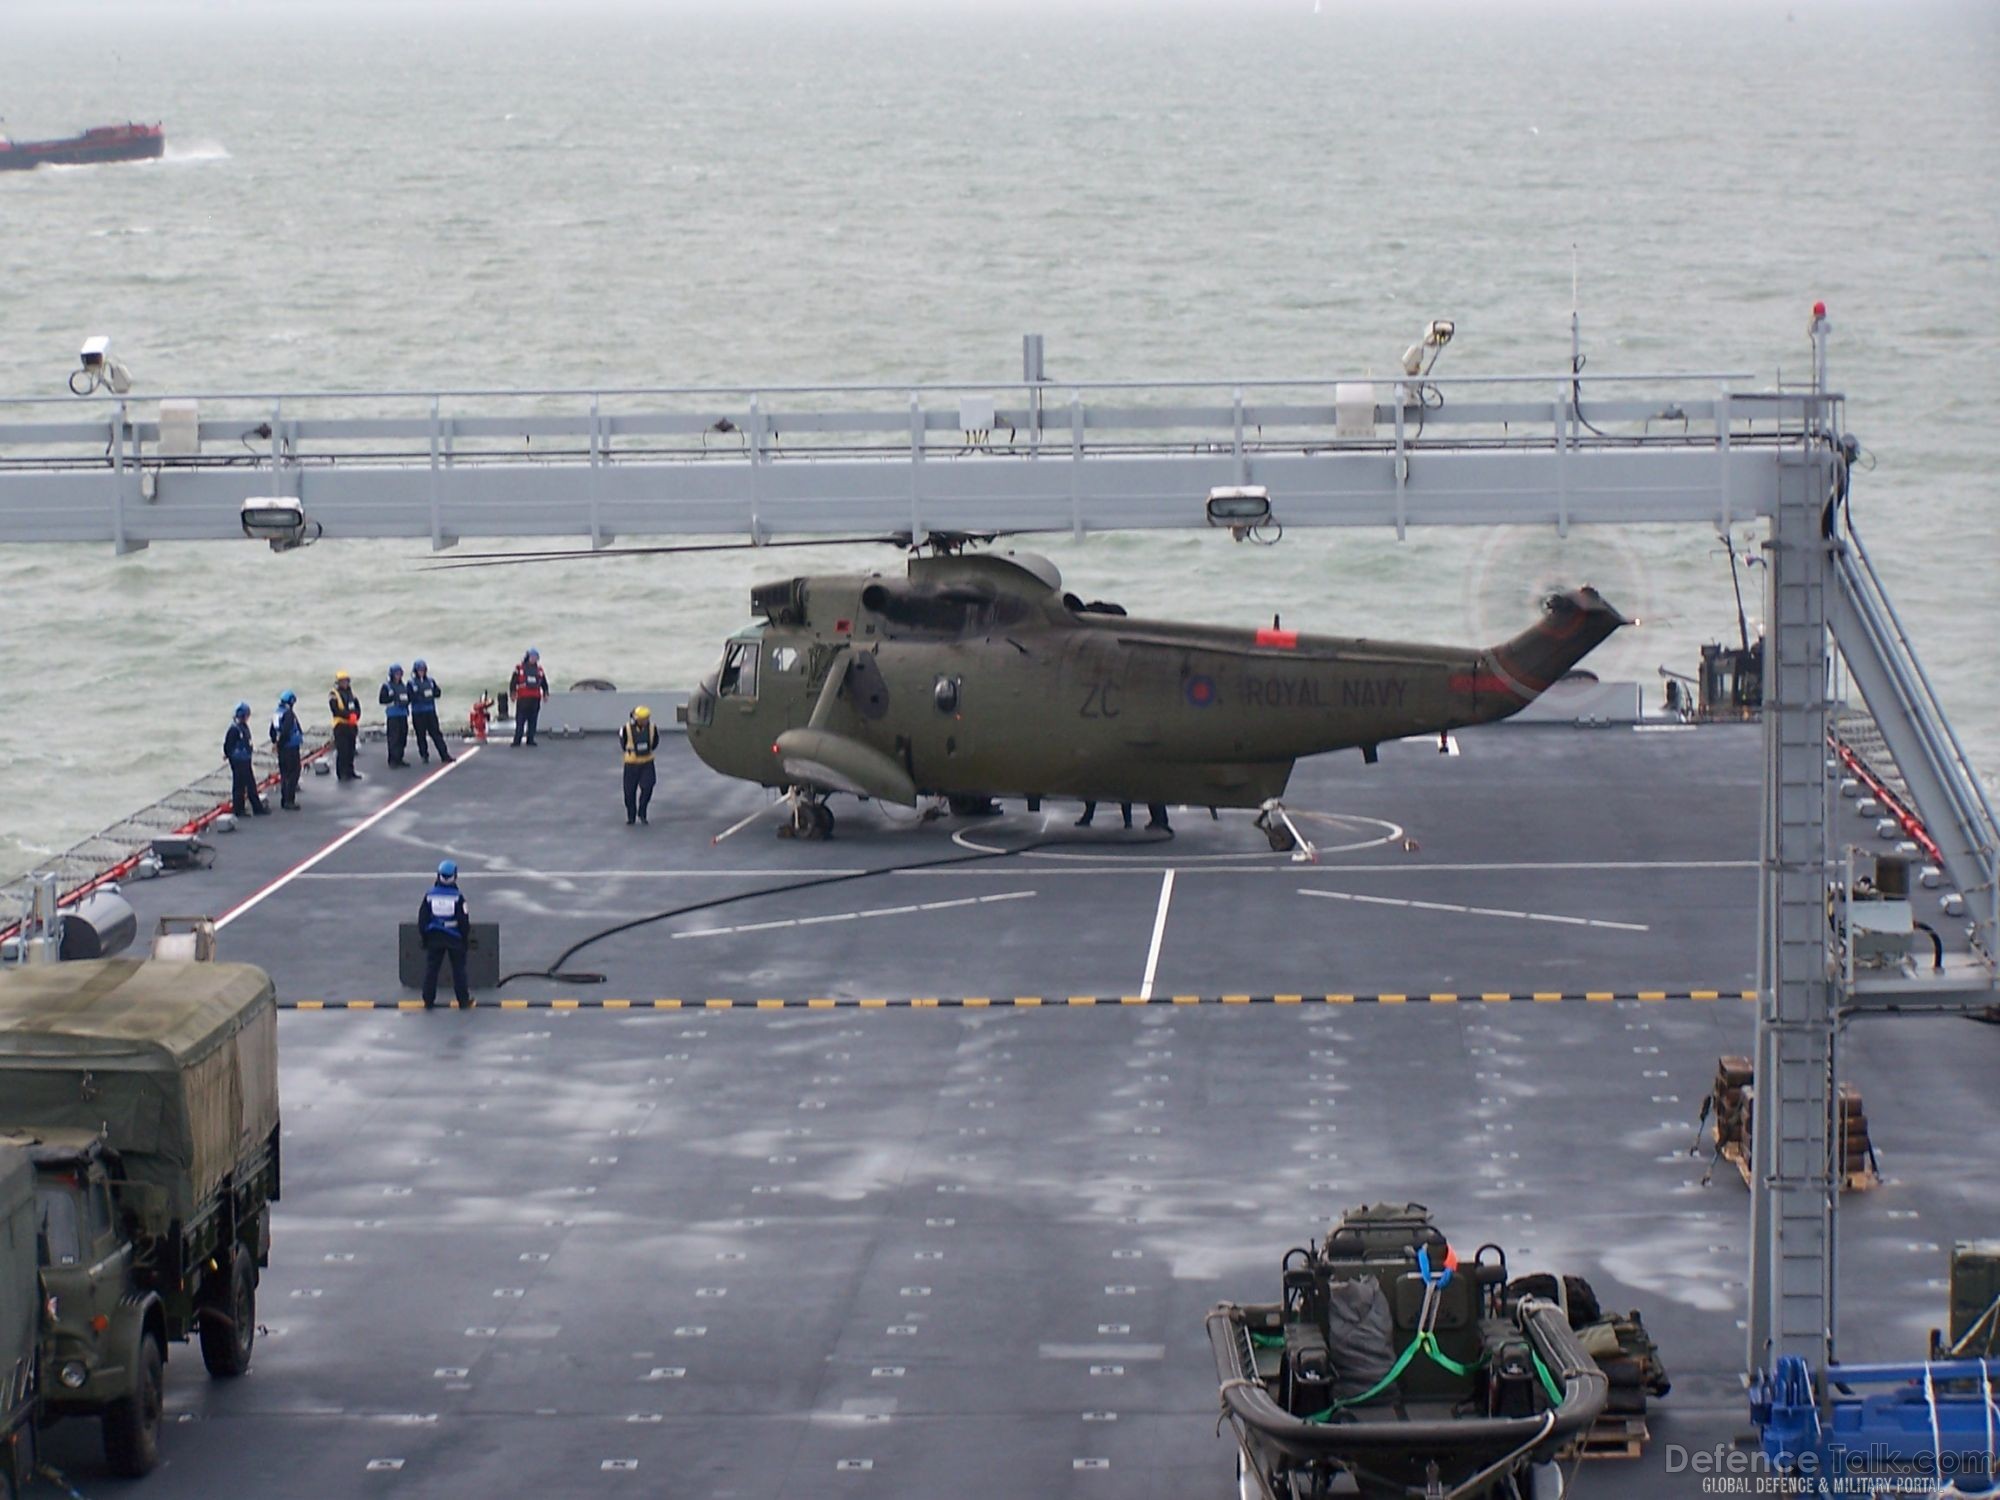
<point x="1359" y="831"/>
<point x="1475" y="911"/>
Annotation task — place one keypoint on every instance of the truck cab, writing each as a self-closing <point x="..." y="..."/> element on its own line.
<point x="104" y="1334"/>
<point x="145" y="1098"/>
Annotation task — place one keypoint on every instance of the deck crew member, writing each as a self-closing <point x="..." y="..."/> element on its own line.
<point x="289" y="736"/>
<point x="529" y="687"/>
<point x="346" y="711"/>
<point x="394" y="697"/>
<point x="424" y="695"/>
<point x="240" y="750"/>
<point x="446" y="928"/>
<point x="1090" y="811"/>
<point x="639" y="739"/>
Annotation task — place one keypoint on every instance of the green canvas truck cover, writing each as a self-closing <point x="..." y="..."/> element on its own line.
<point x="20" y="1288"/>
<point x="176" y="1062"/>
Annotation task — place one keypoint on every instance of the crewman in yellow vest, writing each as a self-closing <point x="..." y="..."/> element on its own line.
<point x="346" y="711"/>
<point x="639" y="739"/>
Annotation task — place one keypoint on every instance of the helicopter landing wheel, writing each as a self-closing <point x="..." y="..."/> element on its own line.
<point x="811" y="821"/>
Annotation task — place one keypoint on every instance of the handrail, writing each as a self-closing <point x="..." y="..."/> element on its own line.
<point x="782" y="388"/>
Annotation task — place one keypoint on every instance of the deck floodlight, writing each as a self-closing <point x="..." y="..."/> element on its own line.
<point x="1420" y="356"/>
<point x="1236" y="505"/>
<point x="98" y="369"/>
<point x="279" y="520"/>
<point x="1246" y="510"/>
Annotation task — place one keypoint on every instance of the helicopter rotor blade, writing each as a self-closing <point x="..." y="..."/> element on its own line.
<point x="939" y="540"/>
<point x="508" y="559"/>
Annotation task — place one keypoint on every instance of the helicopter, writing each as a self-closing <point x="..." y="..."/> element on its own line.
<point x="974" y="675"/>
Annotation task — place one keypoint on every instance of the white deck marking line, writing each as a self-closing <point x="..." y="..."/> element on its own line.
<point x="1109" y="867"/>
<point x="1159" y="932"/>
<point x="1154" y="867"/>
<point x="1477" y="911"/>
<point x="853" y="916"/>
<point x="345" y="839"/>
<point x="491" y="875"/>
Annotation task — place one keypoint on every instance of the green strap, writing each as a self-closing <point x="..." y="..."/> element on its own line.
<point x="1425" y="1341"/>
<point x="1267" y="1341"/>
<point x="1548" y="1380"/>
<point x="1439" y="1357"/>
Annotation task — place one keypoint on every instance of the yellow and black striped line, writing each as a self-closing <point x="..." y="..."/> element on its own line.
<point x="1031" y="1002"/>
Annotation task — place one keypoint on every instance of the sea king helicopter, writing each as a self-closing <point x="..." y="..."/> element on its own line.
<point x="972" y="675"/>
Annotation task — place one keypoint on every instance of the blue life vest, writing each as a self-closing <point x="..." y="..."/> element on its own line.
<point x="442" y="909"/>
<point x="395" y="700"/>
<point x="236" y="745"/>
<point x="286" y="733"/>
<point x="424" y="694"/>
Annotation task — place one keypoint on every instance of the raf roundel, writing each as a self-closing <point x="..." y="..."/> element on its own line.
<point x="1200" y="691"/>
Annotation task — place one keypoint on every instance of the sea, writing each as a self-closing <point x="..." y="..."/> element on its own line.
<point x="453" y="195"/>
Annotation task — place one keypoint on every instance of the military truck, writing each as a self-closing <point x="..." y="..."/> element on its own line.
<point x="19" y="1299"/>
<point x="145" y="1095"/>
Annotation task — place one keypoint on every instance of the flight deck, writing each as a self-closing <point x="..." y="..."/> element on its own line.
<point x="908" y="1163"/>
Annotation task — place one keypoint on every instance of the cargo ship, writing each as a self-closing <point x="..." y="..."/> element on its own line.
<point x="127" y="142"/>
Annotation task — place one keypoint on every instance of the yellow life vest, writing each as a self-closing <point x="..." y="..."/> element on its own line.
<point x="639" y="742"/>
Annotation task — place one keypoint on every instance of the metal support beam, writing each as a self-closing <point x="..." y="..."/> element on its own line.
<point x="1793" y="1182"/>
<point x="605" y="464"/>
<point x="1949" y="799"/>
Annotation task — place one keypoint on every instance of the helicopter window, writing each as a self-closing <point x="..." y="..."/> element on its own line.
<point x="784" y="658"/>
<point x="945" y="695"/>
<point x="739" y="670"/>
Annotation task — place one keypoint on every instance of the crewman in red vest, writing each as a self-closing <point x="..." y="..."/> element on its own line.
<point x="528" y="688"/>
<point x="345" y="709"/>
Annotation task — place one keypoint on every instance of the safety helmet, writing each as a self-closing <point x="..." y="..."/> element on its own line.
<point x="341" y="675"/>
<point x="242" y="710"/>
<point x="287" y="698"/>
<point x="396" y="670"/>
<point x="533" y="655"/>
<point x="418" y="665"/>
<point x="642" y="712"/>
<point x="448" y="871"/>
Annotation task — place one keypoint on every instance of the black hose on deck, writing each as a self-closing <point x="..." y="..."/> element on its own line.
<point x="556" y="972"/>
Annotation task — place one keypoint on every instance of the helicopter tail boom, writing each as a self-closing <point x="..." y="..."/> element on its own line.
<point x="1573" y="624"/>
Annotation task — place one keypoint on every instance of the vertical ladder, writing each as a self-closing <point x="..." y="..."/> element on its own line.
<point x="1793" y="1181"/>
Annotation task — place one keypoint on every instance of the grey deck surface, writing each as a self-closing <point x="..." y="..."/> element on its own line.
<point x="914" y="1251"/>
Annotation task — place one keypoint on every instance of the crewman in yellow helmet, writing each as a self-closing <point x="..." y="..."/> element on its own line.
<point x="639" y="739"/>
<point x="346" y="711"/>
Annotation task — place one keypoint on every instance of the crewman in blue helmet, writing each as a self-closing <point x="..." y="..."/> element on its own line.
<point x="240" y="750"/>
<point x="446" y="929"/>
<point x="395" y="700"/>
<point x="424" y="695"/>
<point x="289" y="736"/>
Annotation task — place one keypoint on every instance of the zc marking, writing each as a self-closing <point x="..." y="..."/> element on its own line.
<point x="1097" y="702"/>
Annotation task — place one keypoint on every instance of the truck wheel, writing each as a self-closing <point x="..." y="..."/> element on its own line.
<point x="225" y="1347"/>
<point x="132" y="1423"/>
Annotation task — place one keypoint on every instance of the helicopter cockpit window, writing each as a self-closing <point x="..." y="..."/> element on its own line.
<point x="784" y="658"/>
<point x="739" y="670"/>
